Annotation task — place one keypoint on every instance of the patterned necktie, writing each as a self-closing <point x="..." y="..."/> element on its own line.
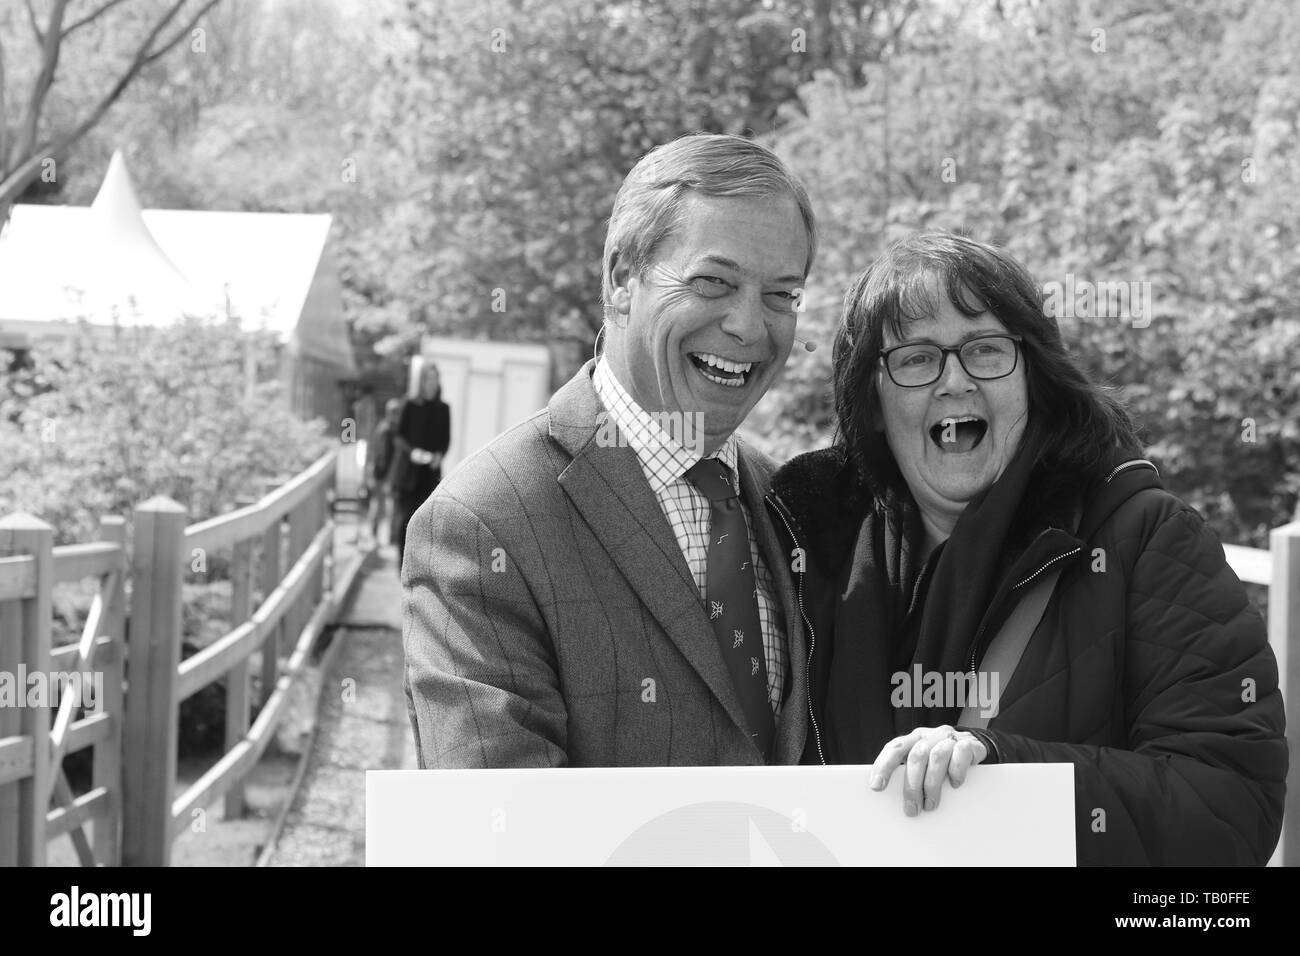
<point x="733" y="598"/>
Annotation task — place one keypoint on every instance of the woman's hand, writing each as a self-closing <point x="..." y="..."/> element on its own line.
<point x="931" y="754"/>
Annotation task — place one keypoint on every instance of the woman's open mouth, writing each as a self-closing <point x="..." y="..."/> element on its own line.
<point x="958" y="435"/>
<point x="722" y="371"/>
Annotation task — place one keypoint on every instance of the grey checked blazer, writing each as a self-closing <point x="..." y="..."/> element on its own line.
<point x="550" y="618"/>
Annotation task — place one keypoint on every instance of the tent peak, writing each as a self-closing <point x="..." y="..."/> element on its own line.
<point x="117" y="201"/>
<point x="122" y="259"/>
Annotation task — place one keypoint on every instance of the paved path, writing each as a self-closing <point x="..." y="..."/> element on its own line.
<point x="363" y="726"/>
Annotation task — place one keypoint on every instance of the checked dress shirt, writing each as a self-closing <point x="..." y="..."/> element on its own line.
<point x="664" y="462"/>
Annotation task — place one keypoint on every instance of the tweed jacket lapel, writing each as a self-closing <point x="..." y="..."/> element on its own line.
<point x="792" y="726"/>
<point x="611" y="493"/>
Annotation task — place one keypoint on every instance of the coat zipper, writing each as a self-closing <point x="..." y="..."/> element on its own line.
<point x="1129" y="464"/>
<point x="980" y="633"/>
<point x="812" y="636"/>
<point x="920" y="579"/>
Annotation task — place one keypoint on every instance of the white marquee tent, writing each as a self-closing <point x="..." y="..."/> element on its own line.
<point x="115" y="263"/>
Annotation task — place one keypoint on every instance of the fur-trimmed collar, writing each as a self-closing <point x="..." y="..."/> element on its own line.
<point x="825" y="500"/>
<point x="828" y="501"/>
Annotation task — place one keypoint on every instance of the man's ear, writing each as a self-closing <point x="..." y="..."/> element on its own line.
<point x="619" y="273"/>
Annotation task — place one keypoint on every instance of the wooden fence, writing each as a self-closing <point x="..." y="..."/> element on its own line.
<point x="1279" y="569"/>
<point x="285" y="539"/>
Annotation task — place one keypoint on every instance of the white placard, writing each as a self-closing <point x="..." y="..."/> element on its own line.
<point x="1004" y="815"/>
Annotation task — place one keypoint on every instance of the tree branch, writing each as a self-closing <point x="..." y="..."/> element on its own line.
<point x="30" y="159"/>
<point x="141" y="54"/>
<point x="44" y="80"/>
<point x="31" y="18"/>
<point x="181" y="33"/>
<point x="91" y="17"/>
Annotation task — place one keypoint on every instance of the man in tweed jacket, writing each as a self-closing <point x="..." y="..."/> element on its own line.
<point x="554" y="584"/>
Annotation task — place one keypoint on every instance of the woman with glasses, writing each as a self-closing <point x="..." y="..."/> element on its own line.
<point x="985" y="526"/>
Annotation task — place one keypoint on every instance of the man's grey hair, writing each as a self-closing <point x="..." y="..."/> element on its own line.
<point x="648" y="205"/>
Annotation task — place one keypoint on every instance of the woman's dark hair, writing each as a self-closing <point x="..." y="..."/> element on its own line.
<point x="437" y="396"/>
<point x="1074" y="422"/>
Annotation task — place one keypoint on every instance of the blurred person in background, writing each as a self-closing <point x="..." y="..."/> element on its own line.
<point x="422" y="437"/>
<point x="380" y="466"/>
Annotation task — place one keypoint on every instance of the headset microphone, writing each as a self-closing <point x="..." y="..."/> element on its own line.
<point x="807" y="346"/>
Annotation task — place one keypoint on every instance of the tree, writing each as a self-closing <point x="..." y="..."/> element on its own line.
<point x="511" y="126"/>
<point x="30" y="145"/>
<point x="1151" y="147"/>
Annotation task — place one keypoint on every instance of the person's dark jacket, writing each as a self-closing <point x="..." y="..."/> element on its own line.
<point x="382" y="448"/>
<point x="423" y="423"/>
<point x="1150" y="671"/>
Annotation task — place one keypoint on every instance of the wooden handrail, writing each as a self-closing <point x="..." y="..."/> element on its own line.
<point x="90" y="806"/>
<point x="16" y="758"/>
<point x="225" y="531"/>
<point x="216" y="659"/>
<point x="90" y="730"/>
<point x="241" y="758"/>
<point x="72" y="562"/>
<point x="1252" y="565"/>
<point x="65" y="658"/>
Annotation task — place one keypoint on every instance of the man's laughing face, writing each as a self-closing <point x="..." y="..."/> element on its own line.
<point x="709" y="327"/>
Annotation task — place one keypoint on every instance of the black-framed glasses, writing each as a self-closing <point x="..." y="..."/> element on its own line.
<point x="984" y="357"/>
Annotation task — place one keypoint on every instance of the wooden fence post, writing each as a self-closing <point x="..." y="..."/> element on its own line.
<point x="11" y="629"/>
<point x="333" y="553"/>
<point x="237" y="702"/>
<point x="272" y="542"/>
<point x="323" y="518"/>
<point x="1284" y="636"/>
<point x="11" y="651"/>
<point x="26" y="534"/>
<point x="157" y="571"/>
<point x="107" y="770"/>
<point x="300" y="535"/>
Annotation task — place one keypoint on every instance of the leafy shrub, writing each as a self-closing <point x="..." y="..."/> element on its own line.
<point x="107" y="418"/>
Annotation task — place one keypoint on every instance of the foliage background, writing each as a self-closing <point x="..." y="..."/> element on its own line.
<point x="105" y="419"/>
<point x="1138" y="140"/>
<point x="1142" y="141"/>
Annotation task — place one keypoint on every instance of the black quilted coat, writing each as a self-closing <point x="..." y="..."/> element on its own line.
<point x="1153" y="677"/>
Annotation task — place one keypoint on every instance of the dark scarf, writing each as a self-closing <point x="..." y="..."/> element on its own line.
<point x="864" y="540"/>
<point x="962" y="585"/>
<point x="875" y="585"/>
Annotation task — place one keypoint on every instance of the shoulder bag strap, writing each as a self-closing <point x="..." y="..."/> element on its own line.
<point x="1008" y="646"/>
